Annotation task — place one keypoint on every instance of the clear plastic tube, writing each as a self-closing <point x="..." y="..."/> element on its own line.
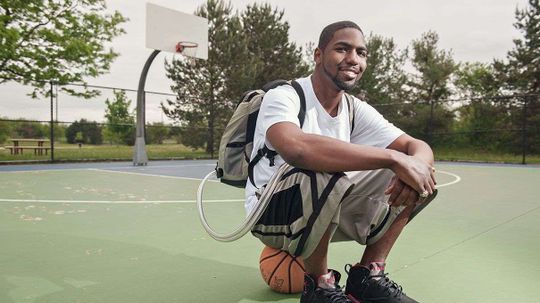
<point x="250" y="220"/>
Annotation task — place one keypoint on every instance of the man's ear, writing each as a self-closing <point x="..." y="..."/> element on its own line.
<point x="317" y="55"/>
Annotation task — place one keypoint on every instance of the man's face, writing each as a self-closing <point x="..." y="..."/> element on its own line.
<point x="344" y="58"/>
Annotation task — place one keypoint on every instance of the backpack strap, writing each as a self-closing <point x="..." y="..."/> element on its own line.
<point x="302" y="114"/>
<point x="265" y="151"/>
<point x="350" y="105"/>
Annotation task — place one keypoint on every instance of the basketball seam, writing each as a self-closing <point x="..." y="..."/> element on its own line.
<point x="299" y="264"/>
<point x="289" y="275"/>
<point x="268" y="257"/>
<point x="276" y="268"/>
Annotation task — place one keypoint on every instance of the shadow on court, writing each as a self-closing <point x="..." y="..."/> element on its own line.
<point x="74" y="269"/>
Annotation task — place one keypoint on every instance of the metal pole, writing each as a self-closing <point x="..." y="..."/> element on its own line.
<point x="139" y="150"/>
<point x="430" y="122"/>
<point x="56" y="99"/>
<point x="524" y="131"/>
<point x="52" y="122"/>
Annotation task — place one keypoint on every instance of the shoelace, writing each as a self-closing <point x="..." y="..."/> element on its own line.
<point x="387" y="283"/>
<point x="384" y="282"/>
<point x="335" y="295"/>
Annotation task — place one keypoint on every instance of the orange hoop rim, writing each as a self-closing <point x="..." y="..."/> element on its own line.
<point x="180" y="46"/>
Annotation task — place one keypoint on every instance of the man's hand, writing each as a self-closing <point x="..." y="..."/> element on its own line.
<point x="415" y="173"/>
<point x="400" y="193"/>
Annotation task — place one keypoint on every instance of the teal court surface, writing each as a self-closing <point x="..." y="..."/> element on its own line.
<point x="112" y="232"/>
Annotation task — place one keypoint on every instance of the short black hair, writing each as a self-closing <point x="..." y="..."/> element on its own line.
<point x="328" y="32"/>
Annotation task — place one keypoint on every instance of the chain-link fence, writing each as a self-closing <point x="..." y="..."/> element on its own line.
<point x="63" y="127"/>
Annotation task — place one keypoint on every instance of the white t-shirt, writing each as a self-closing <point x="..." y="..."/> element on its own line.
<point x="282" y="104"/>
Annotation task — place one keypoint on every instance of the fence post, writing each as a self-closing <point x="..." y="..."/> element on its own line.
<point x="52" y="121"/>
<point x="430" y="123"/>
<point x="524" y="130"/>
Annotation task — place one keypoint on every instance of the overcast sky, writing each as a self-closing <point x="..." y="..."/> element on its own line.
<point x="475" y="30"/>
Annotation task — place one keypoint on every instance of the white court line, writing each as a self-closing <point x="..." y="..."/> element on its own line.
<point x="117" y="202"/>
<point x="43" y="170"/>
<point x="157" y="166"/>
<point x="458" y="179"/>
<point x="104" y="168"/>
<point x="149" y="175"/>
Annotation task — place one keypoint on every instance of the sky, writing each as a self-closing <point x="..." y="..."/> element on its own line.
<point x="474" y="30"/>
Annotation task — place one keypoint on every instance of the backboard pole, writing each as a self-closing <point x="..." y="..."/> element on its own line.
<point x="139" y="150"/>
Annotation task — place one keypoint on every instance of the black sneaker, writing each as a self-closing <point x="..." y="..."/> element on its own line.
<point x="365" y="288"/>
<point x="314" y="294"/>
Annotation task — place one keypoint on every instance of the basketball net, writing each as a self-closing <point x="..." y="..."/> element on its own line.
<point x="188" y="50"/>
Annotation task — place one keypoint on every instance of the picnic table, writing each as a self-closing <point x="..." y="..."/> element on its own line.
<point x="19" y="145"/>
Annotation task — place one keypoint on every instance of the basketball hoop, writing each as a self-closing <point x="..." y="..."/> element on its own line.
<point x="187" y="48"/>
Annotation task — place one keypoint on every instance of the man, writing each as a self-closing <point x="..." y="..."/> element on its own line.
<point x="310" y="200"/>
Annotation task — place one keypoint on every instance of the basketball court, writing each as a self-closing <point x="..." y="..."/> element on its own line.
<point x="114" y="232"/>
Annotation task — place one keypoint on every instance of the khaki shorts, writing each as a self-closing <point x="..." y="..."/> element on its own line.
<point x="302" y="204"/>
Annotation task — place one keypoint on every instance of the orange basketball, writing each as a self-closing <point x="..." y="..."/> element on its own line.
<point x="283" y="272"/>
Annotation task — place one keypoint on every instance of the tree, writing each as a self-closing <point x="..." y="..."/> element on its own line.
<point x="84" y="131"/>
<point x="384" y="79"/>
<point x="521" y="73"/>
<point x="482" y="115"/>
<point x="244" y="52"/>
<point x="120" y="120"/>
<point x="268" y="44"/>
<point x="5" y="130"/>
<point x="156" y="133"/>
<point x="429" y="85"/>
<point x="57" y="40"/>
<point x="203" y="99"/>
<point x="28" y="129"/>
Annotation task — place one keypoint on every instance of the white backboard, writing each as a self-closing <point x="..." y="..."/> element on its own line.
<point x="166" y="27"/>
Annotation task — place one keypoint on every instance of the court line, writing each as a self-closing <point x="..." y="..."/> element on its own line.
<point x="105" y="168"/>
<point x="149" y="175"/>
<point x="118" y="202"/>
<point x="158" y="166"/>
<point x="458" y="178"/>
<point x="440" y="251"/>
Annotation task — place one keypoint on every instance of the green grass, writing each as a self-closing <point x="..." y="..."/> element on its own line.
<point x="477" y="155"/>
<point x="71" y="152"/>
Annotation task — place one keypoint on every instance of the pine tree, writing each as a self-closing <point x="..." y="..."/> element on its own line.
<point x="521" y="74"/>
<point x="383" y="81"/>
<point x="244" y="52"/>
<point x="429" y="85"/>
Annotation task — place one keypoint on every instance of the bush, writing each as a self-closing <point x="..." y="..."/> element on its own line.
<point x="156" y="133"/>
<point x="28" y="130"/>
<point x="84" y="131"/>
<point x="5" y="131"/>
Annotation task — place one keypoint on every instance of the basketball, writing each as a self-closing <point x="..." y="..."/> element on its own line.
<point x="283" y="272"/>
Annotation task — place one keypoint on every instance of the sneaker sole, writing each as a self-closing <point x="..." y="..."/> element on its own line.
<point x="423" y="205"/>
<point x="353" y="299"/>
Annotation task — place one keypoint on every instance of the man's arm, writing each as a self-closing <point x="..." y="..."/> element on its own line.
<point x="401" y="193"/>
<point x="413" y="147"/>
<point x="321" y="153"/>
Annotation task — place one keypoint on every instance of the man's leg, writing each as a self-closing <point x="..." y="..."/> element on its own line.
<point x="317" y="264"/>
<point x="367" y="219"/>
<point x="301" y="215"/>
<point x="378" y="251"/>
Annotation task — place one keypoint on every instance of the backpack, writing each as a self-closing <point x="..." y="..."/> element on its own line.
<point x="234" y="166"/>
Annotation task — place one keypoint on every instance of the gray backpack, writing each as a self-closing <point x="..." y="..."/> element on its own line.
<point x="234" y="166"/>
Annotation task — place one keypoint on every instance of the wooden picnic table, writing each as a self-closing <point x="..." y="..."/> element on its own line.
<point x="19" y="146"/>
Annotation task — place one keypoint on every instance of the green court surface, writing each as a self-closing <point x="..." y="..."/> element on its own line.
<point x="133" y="235"/>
